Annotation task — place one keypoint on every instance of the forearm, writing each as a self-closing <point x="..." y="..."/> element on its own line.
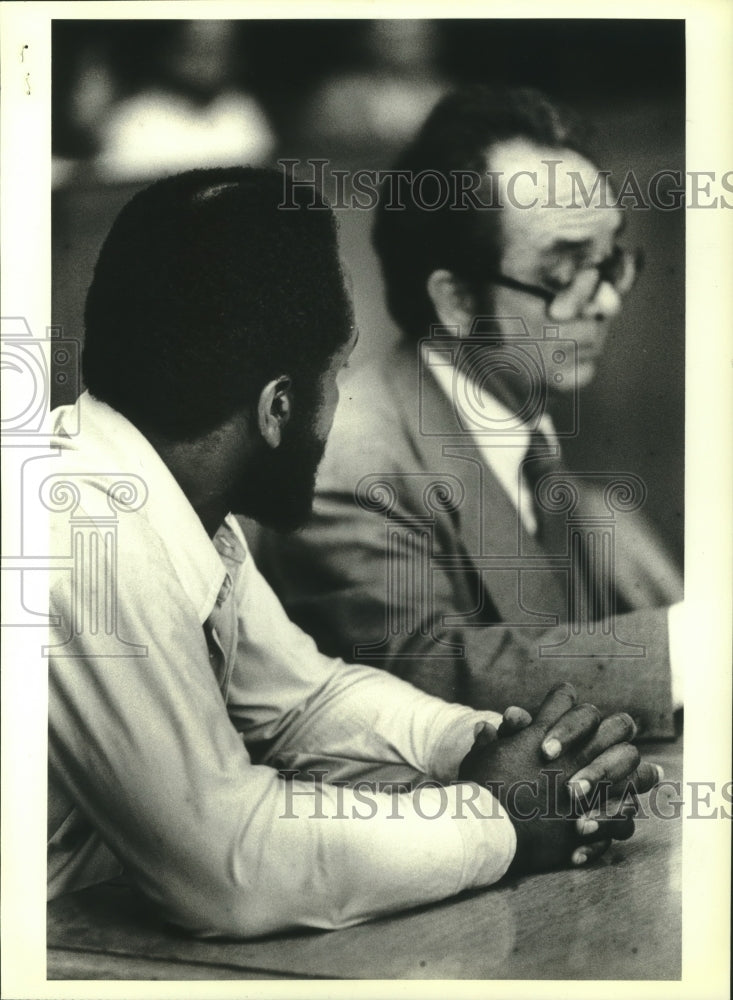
<point x="340" y="583"/>
<point x="493" y="666"/>
<point x="297" y="708"/>
<point x="339" y="856"/>
<point x="363" y="721"/>
<point x="144" y="749"/>
<point x="221" y="846"/>
<point x="515" y="666"/>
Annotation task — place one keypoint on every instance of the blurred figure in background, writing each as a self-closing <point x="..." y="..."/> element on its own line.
<point x="379" y="104"/>
<point x="147" y="100"/>
<point x="132" y="101"/>
<point x="196" y="116"/>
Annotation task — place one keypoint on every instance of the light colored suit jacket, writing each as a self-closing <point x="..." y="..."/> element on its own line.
<point x="416" y="561"/>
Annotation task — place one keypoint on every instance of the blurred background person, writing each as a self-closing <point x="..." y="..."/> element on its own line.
<point x="188" y="106"/>
<point x="196" y="114"/>
<point x="379" y="103"/>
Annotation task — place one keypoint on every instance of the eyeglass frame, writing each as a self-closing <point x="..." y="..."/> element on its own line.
<point x="602" y="268"/>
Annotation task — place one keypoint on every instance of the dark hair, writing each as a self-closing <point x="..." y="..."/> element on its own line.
<point x="204" y="290"/>
<point x="457" y="135"/>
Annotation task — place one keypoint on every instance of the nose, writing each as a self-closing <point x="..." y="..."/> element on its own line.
<point x="604" y="304"/>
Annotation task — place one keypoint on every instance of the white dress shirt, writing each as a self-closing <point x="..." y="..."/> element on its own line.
<point x="504" y="453"/>
<point x="177" y="691"/>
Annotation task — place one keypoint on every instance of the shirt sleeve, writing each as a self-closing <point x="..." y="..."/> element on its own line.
<point x="298" y="709"/>
<point x="678" y="622"/>
<point x="140" y="739"/>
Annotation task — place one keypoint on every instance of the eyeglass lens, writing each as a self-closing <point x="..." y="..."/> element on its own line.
<point x="619" y="270"/>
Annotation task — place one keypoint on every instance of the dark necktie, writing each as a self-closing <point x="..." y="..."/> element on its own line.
<point x="543" y="458"/>
<point x="588" y="579"/>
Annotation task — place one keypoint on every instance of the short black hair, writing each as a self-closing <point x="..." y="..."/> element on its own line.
<point x="412" y="242"/>
<point x="204" y="291"/>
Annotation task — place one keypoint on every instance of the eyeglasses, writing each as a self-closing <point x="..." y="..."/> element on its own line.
<point x="620" y="270"/>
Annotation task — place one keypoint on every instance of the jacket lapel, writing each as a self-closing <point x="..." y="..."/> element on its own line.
<point x="488" y="541"/>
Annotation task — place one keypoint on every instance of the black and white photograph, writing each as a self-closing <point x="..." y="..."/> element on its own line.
<point x="366" y="456"/>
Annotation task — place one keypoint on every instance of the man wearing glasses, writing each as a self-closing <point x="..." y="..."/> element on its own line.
<point x="450" y="544"/>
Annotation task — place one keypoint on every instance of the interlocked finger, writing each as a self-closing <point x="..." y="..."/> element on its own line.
<point x="643" y="779"/>
<point x="559" y="701"/>
<point x="617" y="728"/>
<point x="577" y="724"/>
<point x="619" y="827"/>
<point x="589" y="852"/>
<point x="608" y="768"/>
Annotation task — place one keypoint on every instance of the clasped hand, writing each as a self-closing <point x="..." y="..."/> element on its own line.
<point x="558" y="777"/>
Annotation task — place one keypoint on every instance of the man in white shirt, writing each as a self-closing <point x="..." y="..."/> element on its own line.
<point x="198" y="741"/>
<point x="449" y="544"/>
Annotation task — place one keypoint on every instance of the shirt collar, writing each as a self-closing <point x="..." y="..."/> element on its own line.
<point x="455" y="383"/>
<point x="107" y="440"/>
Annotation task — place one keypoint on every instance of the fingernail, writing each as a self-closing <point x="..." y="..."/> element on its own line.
<point x="552" y="748"/>
<point x="581" y="787"/>
<point x="579" y="857"/>
<point x="660" y="772"/>
<point x="589" y="826"/>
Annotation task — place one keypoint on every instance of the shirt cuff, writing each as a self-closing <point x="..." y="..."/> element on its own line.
<point x="489" y="837"/>
<point x="677" y="631"/>
<point x="456" y="741"/>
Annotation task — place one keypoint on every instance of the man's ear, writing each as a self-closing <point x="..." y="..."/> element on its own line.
<point x="274" y="408"/>
<point x="453" y="304"/>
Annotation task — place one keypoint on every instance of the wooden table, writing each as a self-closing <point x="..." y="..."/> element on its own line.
<point x="619" y="919"/>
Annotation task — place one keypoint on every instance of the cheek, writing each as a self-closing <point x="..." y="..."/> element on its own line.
<point x="512" y="308"/>
<point x="584" y="375"/>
